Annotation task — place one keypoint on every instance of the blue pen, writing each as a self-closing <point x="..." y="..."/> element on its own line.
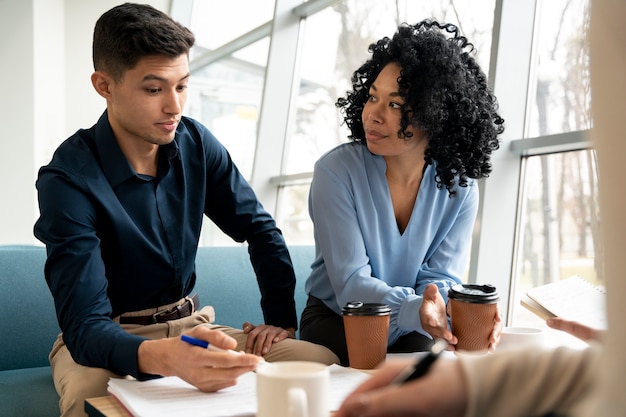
<point x="206" y="345"/>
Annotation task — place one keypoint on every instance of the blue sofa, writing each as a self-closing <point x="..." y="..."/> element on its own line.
<point x="29" y="327"/>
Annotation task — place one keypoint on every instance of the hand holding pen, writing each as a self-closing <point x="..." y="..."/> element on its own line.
<point x="420" y="367"/>
<point x="426" y="386"/>
<point x="206" y="345"/>
<point x="203" y="357"/>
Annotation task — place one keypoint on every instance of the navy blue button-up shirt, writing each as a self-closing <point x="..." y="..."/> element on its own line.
<point x="118" y="241"/>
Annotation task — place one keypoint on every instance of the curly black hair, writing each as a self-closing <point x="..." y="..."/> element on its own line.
<point x="445" y="94"/>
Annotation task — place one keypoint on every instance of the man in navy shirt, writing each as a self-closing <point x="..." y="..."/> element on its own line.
<point x="121" y="208"/>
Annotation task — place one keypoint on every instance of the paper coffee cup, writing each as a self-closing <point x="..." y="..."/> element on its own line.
<point x="473" y="310"/>
<point x="367" y="331"/>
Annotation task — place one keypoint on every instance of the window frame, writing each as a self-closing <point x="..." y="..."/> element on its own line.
<point x="492" y="256"/>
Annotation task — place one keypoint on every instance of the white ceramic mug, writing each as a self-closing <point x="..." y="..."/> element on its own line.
<point x="293" y="389"/>
<point x="513" y="336"/>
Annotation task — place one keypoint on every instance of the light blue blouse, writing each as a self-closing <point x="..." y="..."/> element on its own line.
<point x="360" y="253"/>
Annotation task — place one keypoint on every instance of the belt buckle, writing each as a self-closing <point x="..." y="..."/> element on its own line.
<point x="177" y="309"/>
<point x="155" y="316"/>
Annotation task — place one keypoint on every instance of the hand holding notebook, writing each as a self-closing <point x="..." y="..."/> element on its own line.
<point x="572" y="298"/>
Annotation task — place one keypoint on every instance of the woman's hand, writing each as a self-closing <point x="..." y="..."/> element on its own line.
<point x="261" y="337"/>
<point x="433" y="315"/>
<point x="494" y="337"/>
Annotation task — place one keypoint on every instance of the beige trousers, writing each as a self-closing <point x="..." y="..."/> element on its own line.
<point x="75" y="382"/>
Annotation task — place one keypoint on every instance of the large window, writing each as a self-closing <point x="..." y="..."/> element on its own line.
<point x="267" y="85"/>
<point x="227" y="83"/>
<point x="558" y="226"/>
<point x="215" y="24"/>
<point x="558" y="217"/>
<point x="560" y="102"/>
<point x="335" y="43"/>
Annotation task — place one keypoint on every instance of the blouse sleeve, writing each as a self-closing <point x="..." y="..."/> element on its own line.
<point x="338" y="233"/>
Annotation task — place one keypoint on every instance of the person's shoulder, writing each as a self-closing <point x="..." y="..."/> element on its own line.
<point x="76" y="153"/>
<point x="190" y="122"/>
<point x="190" y="129"/>
<point x="462" y="192"/>
<point x="191" y="126"/>
<point x="345" y="154"/>
<point x="470" y="188"/>
<point x="468" y="194"/>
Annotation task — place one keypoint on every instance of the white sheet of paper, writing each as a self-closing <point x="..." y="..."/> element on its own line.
<point x="172" y="396"/>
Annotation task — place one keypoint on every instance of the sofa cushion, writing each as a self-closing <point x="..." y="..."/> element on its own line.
<point x="28" y="392"/>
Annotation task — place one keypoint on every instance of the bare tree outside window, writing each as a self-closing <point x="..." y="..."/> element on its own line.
<point x="559" y="214"/>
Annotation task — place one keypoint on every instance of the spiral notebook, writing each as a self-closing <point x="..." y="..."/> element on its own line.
<point x="572" y="298"/>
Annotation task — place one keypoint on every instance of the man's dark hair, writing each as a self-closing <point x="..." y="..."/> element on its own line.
<point x="129" y="32"/>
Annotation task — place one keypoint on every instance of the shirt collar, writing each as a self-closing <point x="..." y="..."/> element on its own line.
<point x="114" y="164"/>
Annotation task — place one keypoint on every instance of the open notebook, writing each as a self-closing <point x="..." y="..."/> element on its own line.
<point x="572" y="298"/>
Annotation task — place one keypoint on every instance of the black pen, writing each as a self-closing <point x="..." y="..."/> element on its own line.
<point x="419" y="368"/>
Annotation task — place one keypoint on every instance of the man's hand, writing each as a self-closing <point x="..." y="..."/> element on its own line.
<point x="433" y="315"/>
<point x="261" y="337"/>
<point x="205" y="369"/>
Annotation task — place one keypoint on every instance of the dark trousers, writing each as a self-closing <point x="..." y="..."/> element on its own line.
<point x="319" y="324"/>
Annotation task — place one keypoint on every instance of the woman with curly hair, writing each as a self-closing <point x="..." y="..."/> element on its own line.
<point x="393" y="210"/>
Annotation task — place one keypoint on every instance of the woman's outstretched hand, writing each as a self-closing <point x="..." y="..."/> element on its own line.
<point x="433" y="316"/>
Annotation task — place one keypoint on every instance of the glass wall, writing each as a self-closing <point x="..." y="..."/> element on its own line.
<point x="215" y="24"/>
<point x="559" y="225"/>
<point x="545" y="181"/>
<point x="226" y="93"/>
<point x="560" y="98"/>
<point x="558" y="219"/>
<point x="335" y="43"/>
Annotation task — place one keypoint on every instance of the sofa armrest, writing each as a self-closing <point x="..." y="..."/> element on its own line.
<point x="26" y="308"/>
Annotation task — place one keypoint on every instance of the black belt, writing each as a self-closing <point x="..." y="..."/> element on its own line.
<point x="178" y="312"/>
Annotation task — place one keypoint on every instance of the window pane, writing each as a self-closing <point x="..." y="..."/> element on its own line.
<point x="216" y="23"/>
<point x="334" y="44"/>
<point x="561" y="89"/>
<point x="293" y="209"/>
<point x="226" y="97"/>
<point x="559" y="225"/>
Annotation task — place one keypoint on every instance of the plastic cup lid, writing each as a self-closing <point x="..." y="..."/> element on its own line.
<point x="474" y="293"/>
<point x="358" y="308"/>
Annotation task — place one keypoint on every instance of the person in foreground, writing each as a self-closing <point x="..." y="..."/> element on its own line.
<point x="561" y="381"/>
<point x="394" y="209"/>
<point x="121" y="209"/>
